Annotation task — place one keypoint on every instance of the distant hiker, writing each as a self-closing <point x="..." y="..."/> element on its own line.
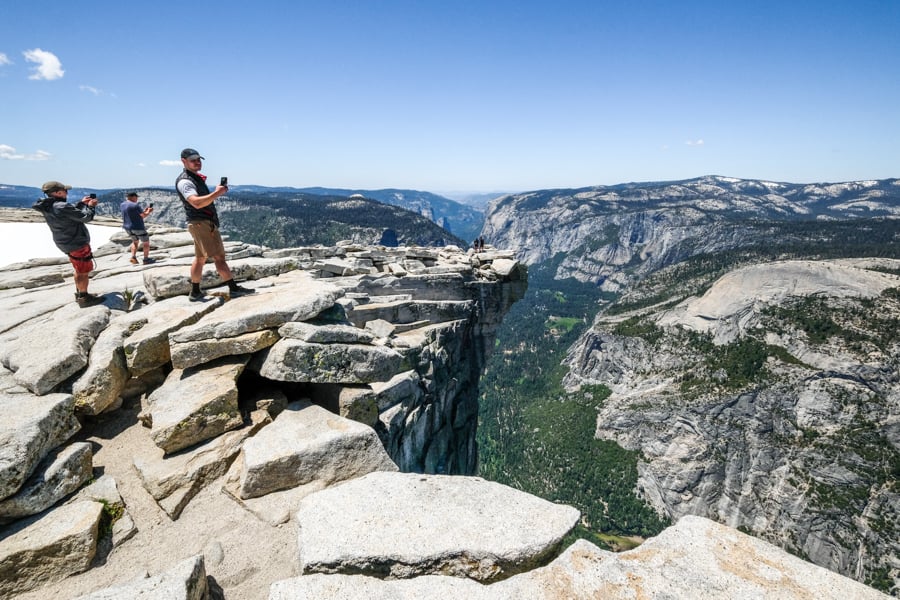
<point x="133" y="223"/>
<point x="70" y="234"/>
<point x="475" y="245"/>
<point x="481" y="244"/>
<point x="203" y="224"/>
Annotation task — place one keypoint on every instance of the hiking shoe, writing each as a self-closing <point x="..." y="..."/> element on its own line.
<point x="238" y="290"/>
<point x="134" y="260"/>
<point x="197" y="297"/>
<point x="149" y="261"/>
<point x="88" y="300"/>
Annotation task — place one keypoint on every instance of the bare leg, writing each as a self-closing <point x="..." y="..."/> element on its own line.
<point x="81" y="281"/>
<point x="222" y="268"/>
<point x="197" y="268"/>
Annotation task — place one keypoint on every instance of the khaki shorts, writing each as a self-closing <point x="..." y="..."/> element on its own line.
<point x="207" y="241"/>
<point x="138" y="235"/>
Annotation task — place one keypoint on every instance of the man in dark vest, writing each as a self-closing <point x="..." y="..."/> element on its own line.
<point x="71" y="235"/>
<point x="203" y="224"/>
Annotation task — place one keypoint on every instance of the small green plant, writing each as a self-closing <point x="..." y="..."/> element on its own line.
<point x="128" y="297"/>
<point x="112" y="512"/>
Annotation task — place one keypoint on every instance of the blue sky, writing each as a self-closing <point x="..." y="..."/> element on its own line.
<point x="449" y="95"/>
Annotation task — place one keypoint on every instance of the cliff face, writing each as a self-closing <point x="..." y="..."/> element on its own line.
<point x="769" y="404"/>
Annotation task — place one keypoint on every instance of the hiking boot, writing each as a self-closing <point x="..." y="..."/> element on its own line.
<point x="238" y="290"/>
<point x="149" y="261"/>
<point x="134" y="260"/>
<point x="88" y="300"/>
<point x="197" y="296"/>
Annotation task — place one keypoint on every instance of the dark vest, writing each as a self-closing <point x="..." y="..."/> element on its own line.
<point x="207" y="213"/>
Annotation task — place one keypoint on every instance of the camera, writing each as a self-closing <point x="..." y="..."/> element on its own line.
<point x="93" y="196"/>
<point x="223" y="181"/>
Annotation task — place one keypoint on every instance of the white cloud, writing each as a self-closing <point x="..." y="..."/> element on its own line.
<point x="694" y="142"/>
<point x="91" y="89"/>
<point x="170" y="163"/>
<point x="48" y="65"/>
<point x="9" y="153"/>
<point x="140" y="164"/>
<point x="4" y="60"/>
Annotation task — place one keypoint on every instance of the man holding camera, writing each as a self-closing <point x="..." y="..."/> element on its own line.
<point x="203" y="223"/>
<point x="133" y="223"/>
<point x="70" y="234"/>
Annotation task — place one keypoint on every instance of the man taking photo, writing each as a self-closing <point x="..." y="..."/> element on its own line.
<point x="203" y="224"/>
<point x="70" y="234"/>
<point x="133" y="223"/>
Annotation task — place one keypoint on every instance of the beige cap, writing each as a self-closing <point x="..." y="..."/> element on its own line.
<point x="53" y="186"/>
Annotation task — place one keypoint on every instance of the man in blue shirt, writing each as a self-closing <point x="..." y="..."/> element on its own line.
<point x="133" y="223"/>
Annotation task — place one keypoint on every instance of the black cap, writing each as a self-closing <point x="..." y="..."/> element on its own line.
<point x="190" y="153"/>
<point x="131" y="195"/>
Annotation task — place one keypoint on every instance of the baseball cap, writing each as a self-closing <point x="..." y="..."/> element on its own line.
<point x="131" y="195"/>
<point x="190" y="153"/>
<point x="53" y="186"/>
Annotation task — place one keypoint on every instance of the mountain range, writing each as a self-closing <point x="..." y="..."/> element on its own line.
<point x="461" y="220"/>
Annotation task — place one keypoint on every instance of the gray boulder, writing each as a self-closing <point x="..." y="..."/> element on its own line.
<point x="325" y="334"/>
<point x="148" y="347"/>
<point x="297" y="299"/>
<point x="173" y="281"/>
<point x="185" y="581"/>
<point x="59" y="474"/>
<point x="296" y="360"/>
<point x="100" y="385"/>
<point x="196" y="404"/>
<point x="428" y="524"/>
<point x="433" y="311"/>
<point x="54" y="348"/>
<point x="695" y="558"/>
<point x="31" y="426"/>
<point x="189" y="354"/>
<point x="41" y="550"/>
<point x="307" y="443"/>
<point x="174" y="480"/>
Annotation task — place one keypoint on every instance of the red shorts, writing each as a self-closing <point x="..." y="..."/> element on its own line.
<point x="82" y="259"/>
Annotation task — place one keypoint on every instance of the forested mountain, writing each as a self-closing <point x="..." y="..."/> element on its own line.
<point x="716" y="346"/>
<point x="462" y="222"/>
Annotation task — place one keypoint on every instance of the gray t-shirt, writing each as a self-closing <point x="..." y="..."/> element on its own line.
<point x="187" y="188"/>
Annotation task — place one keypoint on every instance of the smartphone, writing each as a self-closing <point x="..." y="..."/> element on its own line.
<point x="223" y="181"/>
<point x="150" y="205"/>
<point x="93" y="196"/>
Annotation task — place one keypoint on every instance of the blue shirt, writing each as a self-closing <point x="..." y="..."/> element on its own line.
<point x="131" y="215"/>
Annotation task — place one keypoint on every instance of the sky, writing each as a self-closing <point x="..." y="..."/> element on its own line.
<point x="448" y="95"/>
